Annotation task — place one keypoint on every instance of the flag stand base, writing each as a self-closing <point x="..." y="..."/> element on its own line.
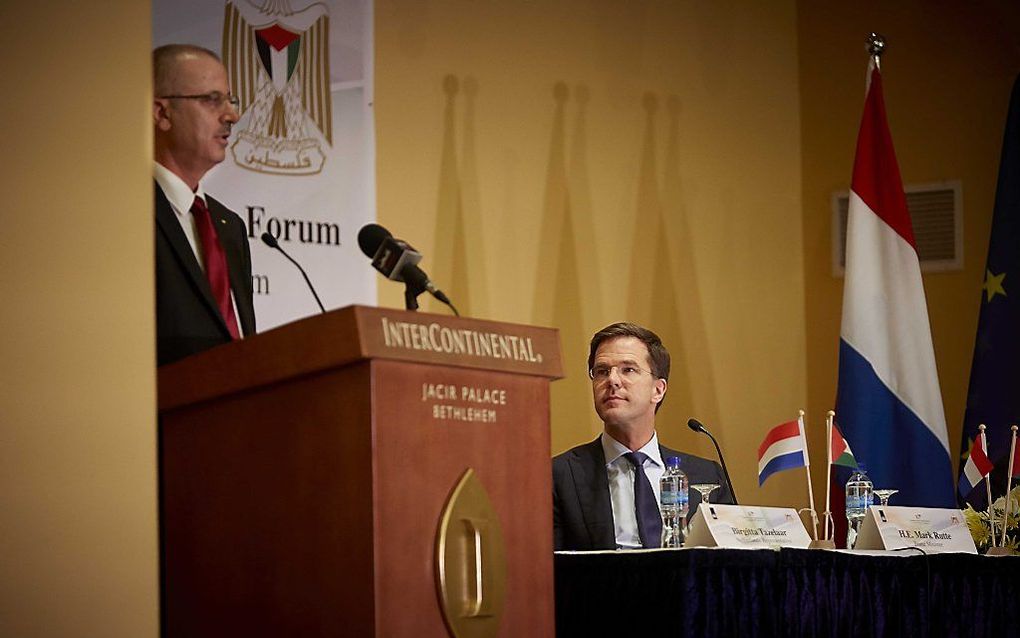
<point x="1000" y="551"/>
<point x="825" y="545"/>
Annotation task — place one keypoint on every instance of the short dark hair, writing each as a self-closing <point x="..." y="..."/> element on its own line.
<point x="658" y="356"/>
<point x="165" y="57"/>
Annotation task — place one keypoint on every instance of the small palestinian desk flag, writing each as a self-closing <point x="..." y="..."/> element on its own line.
<point x="840" y="450"/>
<point x="839" y="454"/>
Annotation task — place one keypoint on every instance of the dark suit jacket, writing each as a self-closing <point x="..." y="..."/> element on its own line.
<point x="187" y="317"/>
<point x="582" y="509"/>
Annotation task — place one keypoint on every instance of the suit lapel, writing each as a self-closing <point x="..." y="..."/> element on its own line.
<point x="588" y="467"/>
<point x="168" y="224"/>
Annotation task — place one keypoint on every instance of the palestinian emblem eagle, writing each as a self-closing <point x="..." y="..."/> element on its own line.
<point x="277" y="60"/>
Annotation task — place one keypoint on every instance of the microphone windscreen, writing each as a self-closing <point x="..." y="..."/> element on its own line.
<point x="370" y="237"/>
<point x="269" y="240"/>
<point x="695" y="425"/>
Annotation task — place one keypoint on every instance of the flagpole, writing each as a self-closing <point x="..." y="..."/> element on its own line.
<point x="1009" y="479"/>
<point x="988" y="481"/>
<point x="828" y="472"/>
<point x="807" y="469"/>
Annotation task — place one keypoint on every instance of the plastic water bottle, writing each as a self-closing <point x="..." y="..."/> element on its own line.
<point x="673" y="503"/>
<point x="859" y="497"/>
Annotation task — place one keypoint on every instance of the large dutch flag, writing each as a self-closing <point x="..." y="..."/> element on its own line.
<point x="888" y="399"/>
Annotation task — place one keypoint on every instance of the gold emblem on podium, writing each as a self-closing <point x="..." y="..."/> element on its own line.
<point x="470" y="562"/>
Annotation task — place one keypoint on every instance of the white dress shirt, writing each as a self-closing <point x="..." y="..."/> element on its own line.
<point x="181" y="197"/>
<point x="621" y="485"/>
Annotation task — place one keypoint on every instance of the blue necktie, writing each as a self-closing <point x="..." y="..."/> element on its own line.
<point x="649" y="521"/>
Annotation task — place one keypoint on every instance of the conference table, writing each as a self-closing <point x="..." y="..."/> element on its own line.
<point x="785" y="592"/>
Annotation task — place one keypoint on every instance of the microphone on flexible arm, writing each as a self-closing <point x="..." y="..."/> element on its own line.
<point x="696" y="425"/>
<point x="398" y="261"/>
<point x="270" y="241"/>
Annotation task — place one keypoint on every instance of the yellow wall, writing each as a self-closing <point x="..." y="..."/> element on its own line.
<point x="78" y="541"/>
<point x="947" y="74"/>
<point x="574" y="163"/>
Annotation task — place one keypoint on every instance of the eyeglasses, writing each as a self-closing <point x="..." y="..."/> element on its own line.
<point x="627" y="372"/>
<point x="215" y="99"/>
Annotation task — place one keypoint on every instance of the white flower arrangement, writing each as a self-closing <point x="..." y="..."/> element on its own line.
<point x="980" y="525"/>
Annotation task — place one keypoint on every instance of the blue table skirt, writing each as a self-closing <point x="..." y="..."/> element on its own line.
<point x="790" y="592"/>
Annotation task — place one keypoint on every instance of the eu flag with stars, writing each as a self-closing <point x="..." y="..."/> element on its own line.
<point x="994" y="394"/>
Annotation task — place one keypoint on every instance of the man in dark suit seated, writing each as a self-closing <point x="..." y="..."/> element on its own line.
<point x="203" y="264"/>
<point x="605" y="493"/>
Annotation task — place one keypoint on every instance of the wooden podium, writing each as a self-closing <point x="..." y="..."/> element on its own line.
<point x="367" y="472"/>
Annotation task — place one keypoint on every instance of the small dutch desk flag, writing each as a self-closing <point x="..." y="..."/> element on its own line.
<point x="783" y="449"/>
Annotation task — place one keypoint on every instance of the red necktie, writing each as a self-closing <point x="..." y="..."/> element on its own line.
<point x="215" y="265"/>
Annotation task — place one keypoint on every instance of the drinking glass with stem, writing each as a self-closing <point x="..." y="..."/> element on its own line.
<point x="884" y="495"/>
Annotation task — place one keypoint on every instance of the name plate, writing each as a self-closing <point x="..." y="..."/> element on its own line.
<point x="748" y="526"/>
<point x="931" y="529"/>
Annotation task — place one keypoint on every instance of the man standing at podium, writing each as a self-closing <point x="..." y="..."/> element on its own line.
<point x="203" y="264"/>
<point x="605" y="493"/>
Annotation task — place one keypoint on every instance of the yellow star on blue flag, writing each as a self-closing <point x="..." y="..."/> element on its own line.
<point x="993" y="285"/>
<point x="965" y="453"/>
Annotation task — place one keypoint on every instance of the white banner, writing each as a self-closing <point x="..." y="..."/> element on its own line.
<point x="301" y="160"/>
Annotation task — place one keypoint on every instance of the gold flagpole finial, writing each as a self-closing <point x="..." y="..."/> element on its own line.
<point x="876" y="47"/>
<point x="876" y="44"/>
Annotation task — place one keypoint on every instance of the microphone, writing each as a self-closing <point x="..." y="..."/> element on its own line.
<point x="270" y="241"/>
<point x="390" y="256"/>
<point x="397" y="260"/>
<point x="696" y="425"/>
